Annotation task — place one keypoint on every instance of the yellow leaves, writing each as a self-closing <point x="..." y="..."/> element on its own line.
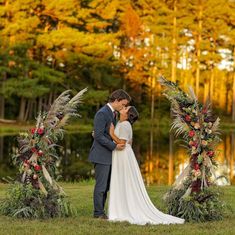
<point x="97" y="25"/>
<point x="107" y="9"/>
<point x="21" y="29"/>
<point x="67" y="40"/>
<point x="65" y="37"/>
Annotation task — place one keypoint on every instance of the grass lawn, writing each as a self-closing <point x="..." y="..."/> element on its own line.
<point x="81" y="197"/>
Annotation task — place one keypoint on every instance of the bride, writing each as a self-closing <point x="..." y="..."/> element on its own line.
<point x="128" y="200"/>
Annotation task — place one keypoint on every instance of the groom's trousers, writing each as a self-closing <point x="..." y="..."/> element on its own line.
<point x="102" y="177"/>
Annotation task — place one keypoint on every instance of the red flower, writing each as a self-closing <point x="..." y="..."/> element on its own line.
<point x="26" y="161"/>
<point x="191" y="133"/>
<point x="40" y="153"/>
<point x="196" y="167"/>
<point x="33" y="130"/>
<point x="37" y="168"/>
<point x="40" y="131"/>
<point x="210" y="153"/>
<point x="193" y="143"/>
<point x="187" y="118"/>
<point x="34" y="150"/>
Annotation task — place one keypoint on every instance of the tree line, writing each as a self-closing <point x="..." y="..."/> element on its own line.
<point x="49" y="46"/>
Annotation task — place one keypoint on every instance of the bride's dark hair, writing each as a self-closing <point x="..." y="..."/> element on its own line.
<point x="133" y="115"/>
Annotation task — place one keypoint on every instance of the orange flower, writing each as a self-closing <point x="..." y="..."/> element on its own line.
<point x="204" y="142"/>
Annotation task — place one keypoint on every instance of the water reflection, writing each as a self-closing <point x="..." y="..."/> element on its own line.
<point x="7" y="149"/>
<point x="161" y="160"/>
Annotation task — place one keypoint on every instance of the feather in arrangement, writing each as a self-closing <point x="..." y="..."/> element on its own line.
<point x="200" y="131"/>
<point x="36" y="159"/>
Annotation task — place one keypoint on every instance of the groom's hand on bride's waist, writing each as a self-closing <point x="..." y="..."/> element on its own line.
<point x="120" y="146"/>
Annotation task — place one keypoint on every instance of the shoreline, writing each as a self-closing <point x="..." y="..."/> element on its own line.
<point x="163" y="123"/>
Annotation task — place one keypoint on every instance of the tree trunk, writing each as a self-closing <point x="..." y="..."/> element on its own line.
<point x="22" y="109"/>
<point x="171" y="160"/>
<point x="1" y="147"/>
<point x="28" y="109"/>
<point x="35" y="109"/>
<point x="45" y="103"/>
<point x="232" y="157"/>
<point x="233" y="104"/>
<point x="227" y="96"/>
<point x="153" y="86"/>
<point x="50" y="99"/>
<point x="174" y="45"/>
<point x="2" y="99"/>
<point x="198" y="46"/>
<point x="171" y="157"/>
<point x="39" y="104"/>
<point x="2" y="107"/>
<point x="206" y="92"/>
<point x="151" y="144"/>
<point x="212" y="77"/>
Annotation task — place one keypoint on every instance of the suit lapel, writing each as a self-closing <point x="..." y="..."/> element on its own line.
<point x="114" y="120"/>
<point x="109" y="111"/>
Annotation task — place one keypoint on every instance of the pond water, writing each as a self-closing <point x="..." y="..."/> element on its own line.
<point x="160" y="159"/>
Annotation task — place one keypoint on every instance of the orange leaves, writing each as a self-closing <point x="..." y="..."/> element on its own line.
<point x="131" y="23"/>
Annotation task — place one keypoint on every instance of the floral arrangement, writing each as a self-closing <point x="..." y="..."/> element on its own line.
<point x="36" y="194"/>
<point x="192" y="196"/>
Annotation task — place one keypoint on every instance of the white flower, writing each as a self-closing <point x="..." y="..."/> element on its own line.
<point x="196" y="173"/>
<point x="196" y="126"/>
<point x="61" y="65"/>
<point x="208" y="131"/>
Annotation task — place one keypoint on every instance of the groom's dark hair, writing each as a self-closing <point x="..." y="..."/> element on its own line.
<point x="119" y="95"/>
<point x="133" y="115"/>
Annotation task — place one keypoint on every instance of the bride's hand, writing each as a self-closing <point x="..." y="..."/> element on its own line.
<point x="111" y="129"/>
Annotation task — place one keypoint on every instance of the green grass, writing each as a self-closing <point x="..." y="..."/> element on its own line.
<point x="81" y="197"/>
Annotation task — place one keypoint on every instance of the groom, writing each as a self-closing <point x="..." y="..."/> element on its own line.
<point x="101" y="150"/>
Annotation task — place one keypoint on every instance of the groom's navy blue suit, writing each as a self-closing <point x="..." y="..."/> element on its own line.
<point x="101" y="155"/>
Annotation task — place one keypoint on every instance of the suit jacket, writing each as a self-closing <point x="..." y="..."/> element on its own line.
<point x="102" y="147"/>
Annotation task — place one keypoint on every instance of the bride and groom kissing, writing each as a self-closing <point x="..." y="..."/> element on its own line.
<point x="116" y="167"/>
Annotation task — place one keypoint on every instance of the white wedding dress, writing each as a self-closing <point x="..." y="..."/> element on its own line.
<point x="128" y="200"/>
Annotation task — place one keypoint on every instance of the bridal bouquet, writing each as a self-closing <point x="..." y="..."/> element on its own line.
<point x="192" y="196"/>
<point x="36" y="194"/>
